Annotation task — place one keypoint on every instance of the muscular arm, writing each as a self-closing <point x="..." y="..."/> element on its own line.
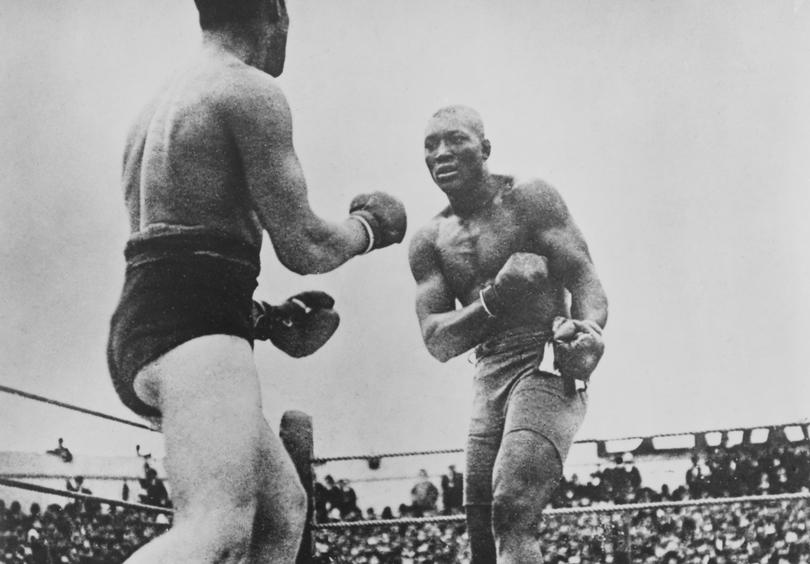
<point x="446" y="331"/>
<point x="568" y="256"/>
<point x="303" y="242"/>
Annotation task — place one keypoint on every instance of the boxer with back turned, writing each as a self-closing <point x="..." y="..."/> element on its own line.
<point x="209" y="166"/>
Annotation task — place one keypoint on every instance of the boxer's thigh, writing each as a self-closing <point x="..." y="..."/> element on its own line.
<point x="208" y="392"/>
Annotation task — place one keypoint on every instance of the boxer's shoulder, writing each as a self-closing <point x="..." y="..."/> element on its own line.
<point x="535" y="198"/>
<point x="422" y="249"/>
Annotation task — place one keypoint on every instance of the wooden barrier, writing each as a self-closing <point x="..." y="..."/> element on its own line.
<point x="295" y="432"/>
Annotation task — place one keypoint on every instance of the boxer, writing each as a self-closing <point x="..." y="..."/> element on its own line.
<point x="530" y="304"/>
<point x="209" y="166"/>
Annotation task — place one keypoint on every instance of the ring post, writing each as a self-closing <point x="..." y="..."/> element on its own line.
<point x="296" y="434"/>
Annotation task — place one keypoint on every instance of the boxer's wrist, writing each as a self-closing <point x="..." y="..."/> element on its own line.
<point x="488" y="296"/>
<point x="367" y="229"/>
<point x="593" y="325"/>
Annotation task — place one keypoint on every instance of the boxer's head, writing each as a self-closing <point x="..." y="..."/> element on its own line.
<point x="265" y="20"/>
<point x="456" y="149"/>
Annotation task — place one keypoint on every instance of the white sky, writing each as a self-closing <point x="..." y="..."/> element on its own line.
<point x="677" y="131"/>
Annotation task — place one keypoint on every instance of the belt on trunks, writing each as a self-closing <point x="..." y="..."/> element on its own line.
<point x="548" y="365"/>
<point x="546" y="361"/>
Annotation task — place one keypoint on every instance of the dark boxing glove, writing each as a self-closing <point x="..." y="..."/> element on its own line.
<point x="578" y="346"/>
<point x="522" y="279"/>
<point x="299" y="326"/>
<point x="383" y="217"/>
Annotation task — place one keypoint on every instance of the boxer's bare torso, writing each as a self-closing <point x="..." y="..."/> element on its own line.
<point x="471" y="250"/>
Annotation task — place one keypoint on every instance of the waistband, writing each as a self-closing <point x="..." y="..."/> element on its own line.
<point x="509" y="341"/>
<point x="142" y="249"/>
<point x="527" y="340"/>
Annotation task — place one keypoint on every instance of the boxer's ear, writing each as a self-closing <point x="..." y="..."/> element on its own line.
<point x="278" y="10"/>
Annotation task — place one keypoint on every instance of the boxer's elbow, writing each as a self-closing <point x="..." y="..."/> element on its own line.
<point x="308" y="262"/>
<point x="440" y="353"/>
<point x="438" y="347"/>
<point x="309" y="255"/>
<point x="296" y="262"/>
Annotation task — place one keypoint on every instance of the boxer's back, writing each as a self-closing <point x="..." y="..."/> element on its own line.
<point x="181" y="164"/>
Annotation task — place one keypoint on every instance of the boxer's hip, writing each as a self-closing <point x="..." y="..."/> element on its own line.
<point x="178" y="287"/>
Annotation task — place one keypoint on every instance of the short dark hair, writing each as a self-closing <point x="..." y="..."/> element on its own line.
<point x="467" y="114"/>
<point x="217" y="13"/>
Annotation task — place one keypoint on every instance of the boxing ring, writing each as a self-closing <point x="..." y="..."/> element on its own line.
<point x="296" y="433"/>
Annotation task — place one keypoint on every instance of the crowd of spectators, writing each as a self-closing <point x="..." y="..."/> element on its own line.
<point x="720" y="472"/>
<point x="76" y="533"/>
<point x="763" y="533"/>
<point x="740" y="533"/>
<point x="335" y="501"/>
<point x="774" y="533"/>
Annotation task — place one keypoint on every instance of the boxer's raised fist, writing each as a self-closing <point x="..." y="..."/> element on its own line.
<point x="521" y="280"/>
<point x="578" y="346"/>
<point x="383" y="216"/>
<point x="299" y="326"/>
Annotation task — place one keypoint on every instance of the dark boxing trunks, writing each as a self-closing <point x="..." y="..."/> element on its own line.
<point x="178" y="287"/>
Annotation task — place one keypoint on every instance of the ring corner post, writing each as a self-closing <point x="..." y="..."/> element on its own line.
<point x="296" y="434"/>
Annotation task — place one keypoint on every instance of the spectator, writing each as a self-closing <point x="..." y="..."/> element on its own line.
<point x="348" y="501"/>
<point x="77" y="486"/>
<point x="697" y="477"/>
<point x="632" y="476"/>
<point x="61" y="451"/>
<point x="452" y="490"/>
<point x="334" y="496"/>
<point x="90" y="506"/>
<point x="320" y="502"/>
<point x="145" y="456"/>
<point x="424" y="495"/>
<point x="155" y="491"/>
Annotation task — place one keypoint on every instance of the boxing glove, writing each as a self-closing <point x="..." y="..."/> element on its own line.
<point x="383" y="216"/>
<point x="522" y="279"/>
<point x="578" y="346"/>
<point x="298" y="327"/>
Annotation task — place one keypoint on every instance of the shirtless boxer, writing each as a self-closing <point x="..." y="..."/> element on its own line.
<point x="209" y="165"/>
<point x="509" y="252"/>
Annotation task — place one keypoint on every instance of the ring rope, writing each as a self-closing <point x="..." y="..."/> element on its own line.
<point x="385" y="455"/>
<point x="576" y="510"/>
<point x="85" y="497"/>
<point x="23" y="476"/>
<point x="42" y="399"/>
<point x="323" y="460"/>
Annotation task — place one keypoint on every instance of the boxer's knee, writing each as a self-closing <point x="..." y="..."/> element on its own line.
<point x="223" y="534"/>
<point x="527" y="473"/>
<point x="514" y="514"/>
<point x="285" y="520"/>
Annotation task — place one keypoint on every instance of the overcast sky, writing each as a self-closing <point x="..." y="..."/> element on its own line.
<point x="677" y="131"/>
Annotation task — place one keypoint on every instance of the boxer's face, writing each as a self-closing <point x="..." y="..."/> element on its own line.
<point x="455" y="154"/>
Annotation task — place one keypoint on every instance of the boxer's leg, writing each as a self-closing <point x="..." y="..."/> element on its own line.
<point x="281" y="513"/>
<point x="216" y="453"/>
<point x="480" y="453"/>
<point x="541" y="421"/>
<point x="526" y="474"/>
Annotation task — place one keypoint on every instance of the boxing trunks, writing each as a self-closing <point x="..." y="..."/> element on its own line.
<point x="177" y="287"/>
<point x="513" y="393"/>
